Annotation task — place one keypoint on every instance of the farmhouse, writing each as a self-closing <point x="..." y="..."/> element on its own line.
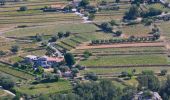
<point x="44" y="61"/>
<point x="142" y="96"/>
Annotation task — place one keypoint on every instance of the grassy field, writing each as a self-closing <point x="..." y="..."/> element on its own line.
<point x="125" y="60"/>
<point x="45" y="88"/>
<point x="136" y="30"/>
<point x="52" y="29"/>
<point x="165" y="26"/>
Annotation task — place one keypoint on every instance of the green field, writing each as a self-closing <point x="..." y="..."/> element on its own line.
<point x="52" y="29"/>
<point x="136" y="30"/>
<point x="45" y="88"/>
<point x="125" y="60"/>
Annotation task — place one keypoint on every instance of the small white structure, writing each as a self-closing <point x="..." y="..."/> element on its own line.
<point x="74" y="10"/>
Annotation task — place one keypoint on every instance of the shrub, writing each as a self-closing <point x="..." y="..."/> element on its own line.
<point x="14" y="48"/>
<point x="163" y="72"/>
<point x="91" y="76"/>
<point x="23" y="8"/>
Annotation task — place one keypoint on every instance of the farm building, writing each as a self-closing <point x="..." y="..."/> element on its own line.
<point x="44" y="61"/>
<point x="142" y="96"/>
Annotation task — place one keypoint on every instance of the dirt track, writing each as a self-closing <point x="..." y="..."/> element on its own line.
<point x="121" y="45"/>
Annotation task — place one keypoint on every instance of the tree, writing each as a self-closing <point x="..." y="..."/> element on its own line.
<point x="132" y="13"/>
<point x="2" y="2"/>
<point x="147" y="21"/>
<point x="69" y="59"/>
<point x="113" y="23"/>
<point x="87" y="54"/>
<point x="75" y="71"/>
<point x="84" y="3"/>
<point x="2" y="53"/>
<point x="103" y="90"/>
<point x="53" y="38"/>
<point x="39" y="70"/>
<point x="23" y="8"/>
<point x="106" y="27"/>
<point x="163" y="72"/>
<point x="118" y="33"/>
<point x="60" y="34"/>
<point x="91" y="16"/>
<point x="117" y="1"/>
<point x="67" y="34"/>
<point x="165" y="89"/>
<point x="15" y="48"/>
<point x="38" y="37"/>
<point x="91" y="76"/>
<point x="128" y="93"/>
<point x="149" y="81"/>
<point x="63" y="68"/>
<point x="6" y="82"/>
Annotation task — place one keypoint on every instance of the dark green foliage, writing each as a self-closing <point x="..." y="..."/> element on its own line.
<point x="69" y="59"/>
<point x="132" y="13"/>
<point x="53" y="38"/>
<point x="128" y="93"/>
<point x="91" y="76"/>
<point x="63" y="68"/>
<point x="39" y="70"/>
<point x="165" y="89"/>
<point x="84" y="3"/>
<point x="163" y="72"/>
<point x="6" y="82"/>
<point x="117" y="1"/>
<point x="60" y="34"/>
<point x="106" y="27"/>
<point x="38" y="37"/>
<point x="104" y="90"/>
<point x="2" y="2"/>
<point x="23" y="8"/>
<point x="147" y="80"/>
<point x="67" y="34"/>
<point x="147" y="21"/>
<point x="118" y="33"/>
<point x="2" y="53"/>
<point x="15" y="48"/>
<point x="151" y="12"/>
<point x="113" y="23"/>
<point x="87" y="54"/>
<point x="91" y="16"/>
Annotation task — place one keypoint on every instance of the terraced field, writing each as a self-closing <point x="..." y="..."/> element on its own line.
<point x="15" y="73"/>
<point x="111" y="14"/>
<point x="124" y="56"/>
